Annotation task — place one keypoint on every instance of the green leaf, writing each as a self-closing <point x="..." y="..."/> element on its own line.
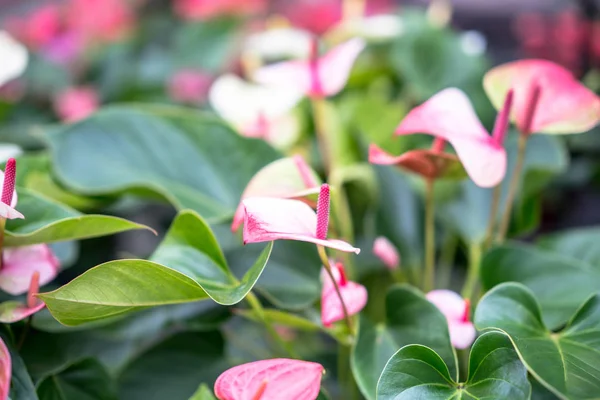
<point x="495" y="373"/>
<point x="410" y="319"/>
<point x="188" y="266"/>
<point x="203" y="393"/>
<point x="567" y="362"/>
<point x="85" y="380"/>
<point x="47" y="221"/>
<point x="190" y="159"/>
<point x="560" y="281"/>
<point x="173" y="368"/>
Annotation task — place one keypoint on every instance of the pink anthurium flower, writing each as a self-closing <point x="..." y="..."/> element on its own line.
<point x="288" y="177"/>
<point x="458" y="313"/>
<point x="449" y="115"/>
<point x="13" y="311"/>
<point x="5" y="370"/>
<point x="19" y="264"/>
<point x="386" y="252"/>
<point x="267" y="219"/>
<point x="275" y="379"/>
<point x="548" y="98"/>
<point x="189" y="86"/>
<point x="317" y="77"/>
<point x="353" y="294"/>
<point x="76" y="103"/>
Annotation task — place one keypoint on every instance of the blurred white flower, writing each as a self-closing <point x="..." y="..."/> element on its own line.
<point x="8" y="150"/>
<point x="14" y="58"/>
<point x="473" y="43"/>
<point x="255" y="110"/>
<point x="279" y="43"/>
<point x="377" y="28"/>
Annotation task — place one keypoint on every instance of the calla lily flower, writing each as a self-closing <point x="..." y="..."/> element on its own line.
<point x="14" y="56"/>
<point x="353" y="294"/>
<point x="316" y="77"/>
<point x="255" y="110"/>
<point x="386" y="252"/>
<point x="275" y="379"/>
<point x="449" y="115"/>
<point x="19" y="264"/>
<point x="267" y="219"/>
<point x="288" y="177"/>
<point x="13" y="311"/>
<point x="548" y="98"/>
<point x="458" y="313"/>
<point x="5" y="370"/>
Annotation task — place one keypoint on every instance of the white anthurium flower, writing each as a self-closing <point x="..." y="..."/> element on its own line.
<point x="256" y="110"/>
<point x="8" y="150"/>
<point x="376" y="28"/>
<point x="279" y="43"/>
<point x="14" y="58"/>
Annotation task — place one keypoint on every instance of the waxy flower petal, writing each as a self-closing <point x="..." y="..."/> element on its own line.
<point x="325" y="76"/>
<point x="20" y="263"/>
<point x="456" y="310"/>
<point x="267" y="219"/>
<point x="5" y="370"/>
<point x="274" y="379"/>
<point x="450" y="115"/>
<point x="14" y="311"/>
<point x="288" y="177"/>
<point x="564" y="105"/>
<point x="354" y="295"/>
<point x="386" y="252"/>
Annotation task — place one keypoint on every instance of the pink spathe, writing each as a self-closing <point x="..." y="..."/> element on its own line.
<point x="274" y="379"/>
<point x="318" y="77"/>
<point x="267" y="219"/>
<point x="20" y="263"/>
<point x="386" y="252"/>
<point x="449" y="115"/>
<point x="76" y="103"/>
<point x="289" y="177"/>
<point x="564" y="105"/>
<point x="354" y="295"/>
<point x="457" y="313"/>
<point x="14" y="311"/>
<point x="5" y="370"/>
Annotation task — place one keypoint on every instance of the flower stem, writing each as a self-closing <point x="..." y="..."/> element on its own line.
<point x="473" y="271"/>
<point x="257" y="307"/>
<point x="513" y="188"/>
<point x="319" y="119"/>
<point x="446" y="261"/>
<point x="325" y="261"/>
<point x="429" y="276"/>
<point x="489" y="234"/>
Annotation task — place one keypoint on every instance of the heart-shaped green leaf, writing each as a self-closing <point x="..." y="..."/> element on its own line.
<point x="86" y="379"/>
<point x="410" y="319"/>
<point x="47" y="221"/>
<point x="560" y="281"/>
<point x="203" y="393"/>
<point x="567" y="362"/>
<point x="192" y="160"/>
<point x="495" y="373"/>
<point x="187" y="266"/>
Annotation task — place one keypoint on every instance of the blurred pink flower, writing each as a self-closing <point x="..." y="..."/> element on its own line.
<point x="274" y="379"/>
<point x="206" y="9"/>
<point x="288" y="177"/>
<point x="64" y="48"/>
<point x="267" y="219"/>
<point x="5" y="370"/>
<point x="458" y="313"/>
<point x="38" y="28"/>
<point x="387" y="252"/>
<point x="316" y="16"/>
<point x="76" y="103"/>
<point x="317" y="77"/>
<point x="189" y="86"/>
<point x="353" y="294"/>
<point x="104" y="20"/>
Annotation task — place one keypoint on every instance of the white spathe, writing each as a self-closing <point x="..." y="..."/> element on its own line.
<point x="279" y="43"/>
<point x="14" y="58"/>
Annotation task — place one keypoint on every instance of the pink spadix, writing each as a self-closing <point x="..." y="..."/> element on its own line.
<point x="323" y="212"/>
<point x="8" y="186"/>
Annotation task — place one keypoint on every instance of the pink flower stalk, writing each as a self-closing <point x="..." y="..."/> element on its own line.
<point x="458" y="313"/>
<point x="353" y="294"/>
<point x="386" y="252"/>
<point x="206" y="9"/>
<point x="288" y="177"/>
<point x="267" y="219"/>
<point x="317" y="77"/>
<point x="189" y="86"/>
<point x="5" y="370"/>
<point x="563" y="104"/>
<point x="20" y="264"/>
<point x="274" y="379"/>
<point x="449" y="115"/>
<point x="14" y="311"/>
<point x="9" y="196"/>
<point x="323" y="212"/>
<point x="76" y="103"/>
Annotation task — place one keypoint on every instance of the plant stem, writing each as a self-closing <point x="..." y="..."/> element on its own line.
<point x="446" y="261"/>
<point x="260" y="312"/>
<point x="325" y="261"/>
<point x="318" y="111"/>
<point x="24" y="332"/>
<point x="473" y="271"/>
<point x="513" y="188"/>
<point x="429" y="276"/>
<point x="489" y="235"/>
